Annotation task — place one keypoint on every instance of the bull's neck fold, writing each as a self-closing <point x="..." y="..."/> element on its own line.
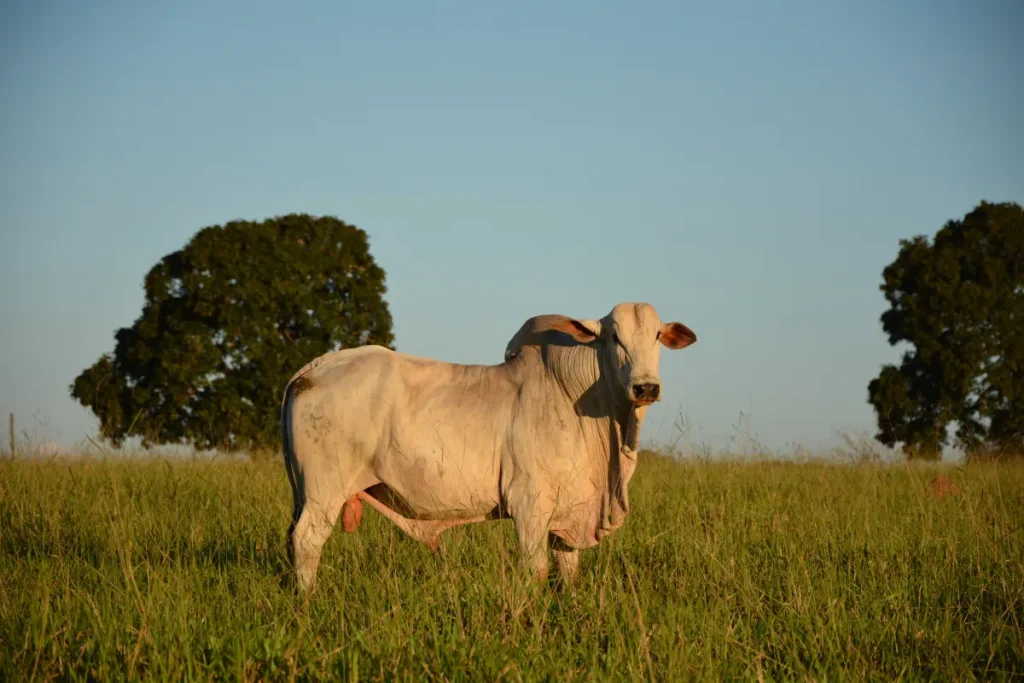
<point x="606" y="414"/>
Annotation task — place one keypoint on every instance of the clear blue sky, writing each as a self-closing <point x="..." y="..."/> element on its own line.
<point x="747" y="167"/>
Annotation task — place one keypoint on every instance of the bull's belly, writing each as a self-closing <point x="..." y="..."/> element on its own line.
<point x="438" y="485"/>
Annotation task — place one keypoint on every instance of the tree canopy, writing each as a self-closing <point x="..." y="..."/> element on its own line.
<point x="226" y="321"/>
<point x="958" y="301"/>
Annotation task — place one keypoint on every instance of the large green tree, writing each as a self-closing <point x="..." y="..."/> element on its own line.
<point x="958" y="301"/>
<point x="226" y="321"/>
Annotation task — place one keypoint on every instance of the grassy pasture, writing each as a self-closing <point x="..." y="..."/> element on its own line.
<point x="159" y="569"/>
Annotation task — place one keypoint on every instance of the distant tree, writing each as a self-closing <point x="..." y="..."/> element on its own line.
<point x="959" y="302"/>
<point x="226" y="321"/>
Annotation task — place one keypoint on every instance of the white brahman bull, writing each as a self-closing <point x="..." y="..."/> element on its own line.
<point x="548" y="437"/>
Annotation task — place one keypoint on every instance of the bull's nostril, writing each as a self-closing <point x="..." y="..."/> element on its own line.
<point x="646" y="392"/>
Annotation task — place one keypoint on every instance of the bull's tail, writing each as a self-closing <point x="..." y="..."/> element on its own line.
<point x="295" y="386"/>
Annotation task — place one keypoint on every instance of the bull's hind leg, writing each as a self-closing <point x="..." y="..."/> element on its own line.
<point x="316" y="513"/>
<point x="312" y="528"/>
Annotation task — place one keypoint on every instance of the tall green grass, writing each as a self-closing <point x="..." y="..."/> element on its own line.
<point x="176" y="570"/>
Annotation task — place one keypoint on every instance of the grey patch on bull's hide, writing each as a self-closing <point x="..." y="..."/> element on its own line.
<point x="419" y="470"/>
<point x="313" y="416"/>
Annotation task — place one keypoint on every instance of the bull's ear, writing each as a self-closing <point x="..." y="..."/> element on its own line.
<point x="583" y="331"/>
<point x="676" y="335"/>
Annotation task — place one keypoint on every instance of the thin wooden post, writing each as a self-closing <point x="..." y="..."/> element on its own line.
<point x="12" y="436"/>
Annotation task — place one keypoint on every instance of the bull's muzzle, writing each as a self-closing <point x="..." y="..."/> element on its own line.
<point x="646" y="392"/>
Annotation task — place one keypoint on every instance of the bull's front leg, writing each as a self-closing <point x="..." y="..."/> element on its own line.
<point x="532" y="534"/>
<point x="567" y="559"/>
<point x="531" y="516"/>
<point x="568" y="564"/>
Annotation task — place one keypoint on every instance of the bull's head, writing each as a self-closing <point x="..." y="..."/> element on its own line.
<point x="629" y="339"/>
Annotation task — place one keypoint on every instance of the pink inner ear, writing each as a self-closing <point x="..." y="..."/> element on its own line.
<point x="677" y="335"/>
